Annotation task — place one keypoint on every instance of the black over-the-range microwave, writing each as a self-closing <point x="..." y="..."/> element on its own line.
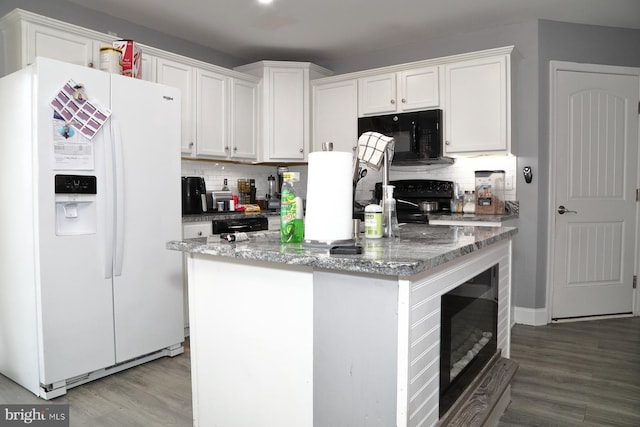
<point x="417" y="135"/>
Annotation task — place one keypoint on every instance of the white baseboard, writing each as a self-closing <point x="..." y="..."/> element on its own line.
<point x="530" y="316"/>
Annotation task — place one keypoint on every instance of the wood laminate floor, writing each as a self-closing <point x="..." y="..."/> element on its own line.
<point x="570" y="374"/>
<point x="157" y="393"/>
<point x="576" y="374"/>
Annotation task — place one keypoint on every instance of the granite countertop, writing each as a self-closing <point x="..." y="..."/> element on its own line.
<point x="472" y="217"/>
<point x="210" y="216"/>
<point x="512" y="210"/>
<point x="420" y="247"/>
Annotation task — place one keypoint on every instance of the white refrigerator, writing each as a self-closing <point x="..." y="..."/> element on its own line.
<point x="87" y="286"/>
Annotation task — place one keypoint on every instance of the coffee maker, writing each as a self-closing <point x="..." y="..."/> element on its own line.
<point x="194" y="195"/>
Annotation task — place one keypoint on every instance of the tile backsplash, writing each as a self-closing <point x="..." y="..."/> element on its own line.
<point x="214" y="174"/>
<point x="462" y="172"/>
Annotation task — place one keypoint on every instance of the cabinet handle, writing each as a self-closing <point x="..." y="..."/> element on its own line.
<point x="404" y="101"/>
<point x="302" y="150"/>
<point x="354" y="148"/>
<point x="226" y="148"/>
<point x="447" y="143"/>
<point x="199" y="233"/>
<point x="393" y="101"/>
<point x="235" y="149"/>
<point x="90" y="64"/>
<point x="191" y="144"/>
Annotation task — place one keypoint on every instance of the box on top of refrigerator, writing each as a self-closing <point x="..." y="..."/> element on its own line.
<point x="131" y="58"/>
<point x="490" y="192"/>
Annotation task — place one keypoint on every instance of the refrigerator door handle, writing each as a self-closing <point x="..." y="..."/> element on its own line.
<point x="119" y="198"/>
<point x="109" y="221"/>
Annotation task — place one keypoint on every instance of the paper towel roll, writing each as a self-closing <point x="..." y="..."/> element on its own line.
<point x="329" y="213"/>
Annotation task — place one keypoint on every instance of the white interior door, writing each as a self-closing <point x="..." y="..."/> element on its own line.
<point x="595" y="156"/>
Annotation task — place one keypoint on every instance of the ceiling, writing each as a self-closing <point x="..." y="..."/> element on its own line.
<point x="315" y="30"/>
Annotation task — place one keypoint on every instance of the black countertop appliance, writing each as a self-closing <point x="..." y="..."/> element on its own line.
<point x="194" y="194"/>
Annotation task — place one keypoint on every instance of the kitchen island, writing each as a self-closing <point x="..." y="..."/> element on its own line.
<point x="289" y="335"/>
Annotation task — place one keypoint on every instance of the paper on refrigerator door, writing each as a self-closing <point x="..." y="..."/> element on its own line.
<point x="70" y="150"/>
<point x="79" y="112"/>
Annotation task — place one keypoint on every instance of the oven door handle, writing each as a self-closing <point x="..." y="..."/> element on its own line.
<point x="407" y="202"/>
<point x="240" y="227"/>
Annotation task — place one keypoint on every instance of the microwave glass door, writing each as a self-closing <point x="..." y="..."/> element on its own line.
<point x="417" y="135"/>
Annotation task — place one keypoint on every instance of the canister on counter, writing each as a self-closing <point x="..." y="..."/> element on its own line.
<point x="490" y="192"/>
<point x="373" y="221"/>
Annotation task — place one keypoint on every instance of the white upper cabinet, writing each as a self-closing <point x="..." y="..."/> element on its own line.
<point x="218" y="106"/>
<point x="244" y="119"/>
<point x="286" y="114"/>
<point x="478" y="106"/>
<point x="27" y="35"/>
<point x="212" y="125"/>
<point x="335" y="114"/>
<point x="43" y="41"/>
<point x="408" y="90"/>
<point x="219" y="111"/>
<point x="181" y="76"/>
<point x="419" y="89"/>
<point x="149" y="67"/>
<point x="377" y="94"/>
<point x="284" y="108"/>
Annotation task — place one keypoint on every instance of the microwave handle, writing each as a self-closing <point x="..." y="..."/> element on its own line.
<point x="414" y="136"/>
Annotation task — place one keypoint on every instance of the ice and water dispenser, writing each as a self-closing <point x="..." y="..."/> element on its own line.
<point x="76" y="210"/>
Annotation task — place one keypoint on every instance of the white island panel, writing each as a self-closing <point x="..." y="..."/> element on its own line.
<point x="252" y="345"/>
<point x="355" y="349"/>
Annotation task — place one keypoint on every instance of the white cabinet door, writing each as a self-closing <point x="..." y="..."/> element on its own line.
<point x="335" y="115"/>
<point x="409" y="90"/>
<point x="149" y="67"/>
<point x="418" y="89"/>
<point x="477" y="106"/>
<point x="377" y="94"/>
<point x="179" y="75"/>
<point x="212" y="136"/>
<point x="244" y="119"/>
<point x="284" y="108"/>
<point x="287" y="114"/>
<point x="191" y="230"/>
<point x="61" y="45"/>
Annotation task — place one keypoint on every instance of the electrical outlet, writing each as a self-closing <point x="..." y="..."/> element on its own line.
<point x="508" y="182"/>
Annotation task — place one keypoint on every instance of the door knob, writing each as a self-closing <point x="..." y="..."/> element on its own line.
<point x="562" y="210"/>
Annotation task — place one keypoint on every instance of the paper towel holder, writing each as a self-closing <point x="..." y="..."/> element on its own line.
<point x="327" y="146"/>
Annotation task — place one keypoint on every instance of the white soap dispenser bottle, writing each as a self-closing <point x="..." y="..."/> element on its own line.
<point x="391" y="226"/>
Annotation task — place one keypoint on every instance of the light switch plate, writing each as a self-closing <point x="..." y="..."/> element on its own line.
<point x="508" y="182"/>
